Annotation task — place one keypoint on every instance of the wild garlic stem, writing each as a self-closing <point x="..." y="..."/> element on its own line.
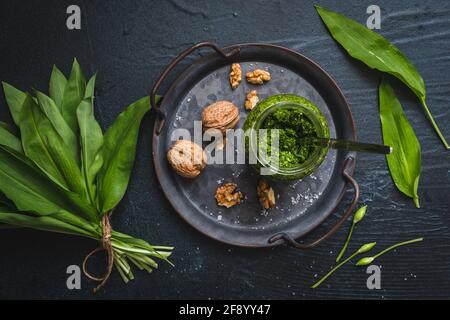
<point x="396" y="246"/>
<point x="131" y="249"/>
<point x="122" y="274"/>
<point x="357" y="217"/>
<point x="350" y="233"/>
<point x="416" y="202"/>
<point x="325" y="277"/>
<point x="363" y="249"/>
<point x="433" y="123"/>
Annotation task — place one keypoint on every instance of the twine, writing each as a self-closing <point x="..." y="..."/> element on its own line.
<point x="105" y="245"/>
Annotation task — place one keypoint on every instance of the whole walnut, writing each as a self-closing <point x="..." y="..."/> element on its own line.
<point x="187" y="158"/>
<point x="221" y="115"/>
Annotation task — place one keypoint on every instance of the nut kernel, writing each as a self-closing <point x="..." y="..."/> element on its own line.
<point x="235" y="75"/>
<point x="258" y="76"/>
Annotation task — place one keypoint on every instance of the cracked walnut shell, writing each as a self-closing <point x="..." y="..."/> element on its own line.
<point x="258" y="76"/>
<point x="187" y="158"/>
<point x="235" y="75"/>
<point x="251" y="101"/>
<point x="266" y="194"/>
<point x="221" y="115"/>
<point x="227" y="195"/>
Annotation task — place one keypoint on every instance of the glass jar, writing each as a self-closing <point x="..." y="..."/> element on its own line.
<point x="256" y="140"/>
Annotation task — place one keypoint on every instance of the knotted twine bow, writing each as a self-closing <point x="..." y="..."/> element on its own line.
<point x="105" y="245"/>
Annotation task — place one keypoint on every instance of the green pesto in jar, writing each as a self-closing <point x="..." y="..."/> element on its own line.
<point x="294" y="117"/>
<point x="292" y="125"/>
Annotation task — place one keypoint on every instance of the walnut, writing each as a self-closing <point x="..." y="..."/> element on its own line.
<point x="266" y="194"/>
<point x="221" y="115"/>
<point x="187" y="158"/>
<point x="258" y="76"/>
<point x="252" y="100"/>
<point x="227" y="195"/>
<point x="235" y="75"/>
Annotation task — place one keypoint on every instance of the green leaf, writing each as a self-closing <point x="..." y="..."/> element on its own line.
<point x="65" y="162"/>
<point x="4" y="201"/>
<point x="90" y="87"/>
<point x="52" y="113"/>
<point x="57" y="86"/>
<point x="404" y="162"/>
<point x="93" y="227"/>
<point x="46" y="148"/>
<point x="44" y="223"/>
<point x="377" y="53"/>
<point x="15" y="100"/>
<point x="91" y="137"/>
<point x="34" y="142"/>
<point x="12" y="130"/>
<point x="73" y="94"/>
<point x="7" y="138"/>
<point x="119" y="150"/>
<point x="30" y="190"/>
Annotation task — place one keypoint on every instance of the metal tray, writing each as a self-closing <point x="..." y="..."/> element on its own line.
<point x="301" y="205"/>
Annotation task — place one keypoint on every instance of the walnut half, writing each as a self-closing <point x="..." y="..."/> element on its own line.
<point x="227" y="195"/>
<point x="235" y="75"/>
<point x="258" y="76"/>
<point x="252" y="100"/>
<point x="266" y="194"/>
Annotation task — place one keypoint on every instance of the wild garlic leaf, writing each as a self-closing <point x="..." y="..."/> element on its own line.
<point x="34" y="142"/>
<point x="404" y="162"/>
<point x="377" y="53"/>
<point x="68" y="217"/>
<point x="4" y="201"/>
<point x="55" y="117"/>
<point x="119" y="151"/>
<point x="47" y="150"/>
<point x="15" y="100"/>
<point x="90" y="87"/>
<point x="30" y="190"/>
<point x="11" y="129"/>
<point x="57" y="86"/>
<point x="44" y="223"/>
<point x="64" y="160"/>
<point x="91" y="138"/>
<point x="73" y="94"/>
<point x="9" y="139"/>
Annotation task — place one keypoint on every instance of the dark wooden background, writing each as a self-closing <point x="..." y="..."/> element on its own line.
<point x="129" y="42"/>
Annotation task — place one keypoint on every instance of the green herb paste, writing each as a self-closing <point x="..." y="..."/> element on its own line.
<point x="294" y="117"/>
<point x="292" y="125"/>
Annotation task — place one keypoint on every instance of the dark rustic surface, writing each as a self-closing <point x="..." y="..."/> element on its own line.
<point x="129" y="42"/>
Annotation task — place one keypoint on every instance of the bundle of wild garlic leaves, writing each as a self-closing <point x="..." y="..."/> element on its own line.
<point x="60" y="173"/>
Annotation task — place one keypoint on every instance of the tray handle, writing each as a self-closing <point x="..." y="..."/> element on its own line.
<point x="165" y="73"/>
<point x="347" y="172"/>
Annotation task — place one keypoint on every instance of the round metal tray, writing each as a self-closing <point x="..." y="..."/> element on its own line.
<point x="301" y="205"/>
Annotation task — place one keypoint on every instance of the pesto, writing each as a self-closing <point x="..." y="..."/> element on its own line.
<point x="292" y="125"/>
<point x="294" y="117"/>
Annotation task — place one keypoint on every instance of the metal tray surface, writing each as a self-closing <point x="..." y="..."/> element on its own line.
<point x="301" y="205"/>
